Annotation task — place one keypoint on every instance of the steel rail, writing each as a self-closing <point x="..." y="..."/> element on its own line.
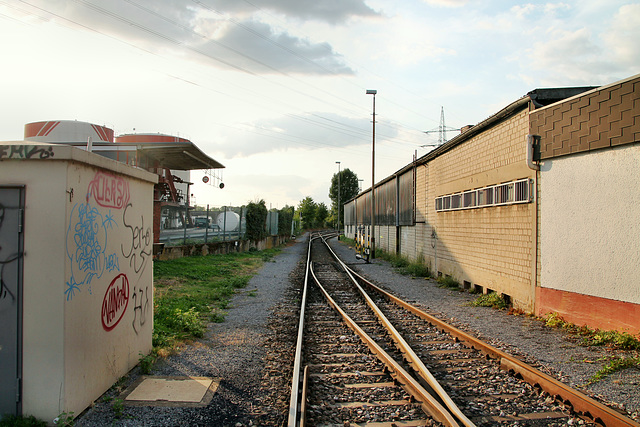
<point x="296" y="399"/>
<point x="429" y="404"/>
<point x="409" y="354"/>
<point x="579" y="402"/>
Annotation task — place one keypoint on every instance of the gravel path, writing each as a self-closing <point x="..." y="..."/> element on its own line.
<point x="240" y="351"/>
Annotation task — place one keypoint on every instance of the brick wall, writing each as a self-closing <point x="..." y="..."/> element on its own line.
<point x="606" y="117"/>
<point x="493" y="246"/>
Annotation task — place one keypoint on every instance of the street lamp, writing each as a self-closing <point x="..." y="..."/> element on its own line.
<point x="339" y="189"/>
<point x="373" y="176"/>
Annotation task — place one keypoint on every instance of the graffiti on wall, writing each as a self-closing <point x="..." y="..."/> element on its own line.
<point x="105" y="220"/>
<point x="139" y="241"/>
<point x="26" y="152"/>
<point x="86" y="246"/>
<point x="115" y="302"/>
<point x="5" y="292"/>
<point x="109" y="190"/>
<point x="140" y="307"/>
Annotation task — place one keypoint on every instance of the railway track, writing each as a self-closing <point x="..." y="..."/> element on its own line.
<point x="364" y="357"/>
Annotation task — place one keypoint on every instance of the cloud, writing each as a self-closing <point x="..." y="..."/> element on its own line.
<point x="256" y="47"/>
<point x="204" y="33"/>
<point x="309" y="131"/>
<point x="623" y="35"/>
<point x="447" y="3"/>
<point x="330" y="11"/>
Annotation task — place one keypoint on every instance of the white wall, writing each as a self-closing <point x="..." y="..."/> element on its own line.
<point x="590" y="223"/>
<point x="87" y="228"/>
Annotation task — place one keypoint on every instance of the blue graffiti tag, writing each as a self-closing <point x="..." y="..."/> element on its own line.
<point x="86" y="244"/>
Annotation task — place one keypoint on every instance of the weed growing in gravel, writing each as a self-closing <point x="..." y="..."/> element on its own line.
<point x="403" y="265"/>
<point x="65" y="419"/>
<point x="447" y="282"/>
<point x="191" y="291"/>
<point x="147" y="362"/>
<point x="594" y="337"/>
<point x="118" y="408"/>
<point x="492" y="299"/>
<point x="615" y="365"/>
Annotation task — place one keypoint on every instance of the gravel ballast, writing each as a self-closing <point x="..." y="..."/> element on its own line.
<point x="251" y="360"/>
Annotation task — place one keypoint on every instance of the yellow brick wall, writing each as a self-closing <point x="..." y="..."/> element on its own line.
<point x="493" y="246"/>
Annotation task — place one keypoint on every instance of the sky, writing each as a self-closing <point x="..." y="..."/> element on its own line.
<point x="275" y="90"/>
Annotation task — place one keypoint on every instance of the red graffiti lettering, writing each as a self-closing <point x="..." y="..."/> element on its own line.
<point x="115" y="302"/>
<point x="109" y="190"/>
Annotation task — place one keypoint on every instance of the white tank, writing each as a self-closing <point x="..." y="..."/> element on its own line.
<point x="228" y="221"/>
<point x="66" y="131"/>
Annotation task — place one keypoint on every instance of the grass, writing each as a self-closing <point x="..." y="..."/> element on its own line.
<point x="192" y="291"/>
<point x="448" y="282"/>
<point x="21" y="421"/>
<point x="402" y="264"/>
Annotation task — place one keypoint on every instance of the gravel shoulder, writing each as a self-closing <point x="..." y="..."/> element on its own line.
<point x="249" y="352"/>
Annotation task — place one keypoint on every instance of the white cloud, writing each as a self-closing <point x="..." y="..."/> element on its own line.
<point x="623" y="35"/>
<point x="331" y="11"/>
<point x="447" y="3"/>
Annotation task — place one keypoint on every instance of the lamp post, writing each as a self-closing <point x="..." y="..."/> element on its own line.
<point x="339" y="190"/>
<point x="373" y="176"/>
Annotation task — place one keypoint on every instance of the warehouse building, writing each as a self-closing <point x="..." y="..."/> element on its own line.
<point x="536" y="203"/>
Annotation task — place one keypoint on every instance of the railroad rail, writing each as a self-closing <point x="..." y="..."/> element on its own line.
<point x="365" y="357"/>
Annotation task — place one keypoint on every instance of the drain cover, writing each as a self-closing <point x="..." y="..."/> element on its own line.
<point x="171" y="391"/>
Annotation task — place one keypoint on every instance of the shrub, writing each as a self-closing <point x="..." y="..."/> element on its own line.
<point x="493" y="300"/>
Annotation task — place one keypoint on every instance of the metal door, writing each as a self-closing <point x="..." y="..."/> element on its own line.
<point x="11" y="214"/>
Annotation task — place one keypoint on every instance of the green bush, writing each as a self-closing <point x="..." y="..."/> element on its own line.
<point x="493" y="300"/>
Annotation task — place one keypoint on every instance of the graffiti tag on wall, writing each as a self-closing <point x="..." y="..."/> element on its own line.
<point x="5" y="292"/>
<point x="109" y="190"/>
<point x="138" y="250"/>
<point x="115" y="302"/>
<point x="105" y="219"/>
<point x="140" y="307"/>
<point x="86" y="246"/>
<point x="25" y="152"/>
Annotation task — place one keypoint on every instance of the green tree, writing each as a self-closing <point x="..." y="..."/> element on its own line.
<point x="285" y="217"/>
<point x="256" y="220"/>
<point x="348" y="190"/>
<point x="322" y="212"/>
<point x="307" y="209"/>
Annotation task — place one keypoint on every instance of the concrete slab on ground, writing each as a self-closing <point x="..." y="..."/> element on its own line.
<point x="171" y="391"/>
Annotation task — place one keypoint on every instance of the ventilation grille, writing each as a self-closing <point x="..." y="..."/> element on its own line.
<point x="508" y="193"/>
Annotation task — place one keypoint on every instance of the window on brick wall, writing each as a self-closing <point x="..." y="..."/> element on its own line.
<point x="508" y="193"/>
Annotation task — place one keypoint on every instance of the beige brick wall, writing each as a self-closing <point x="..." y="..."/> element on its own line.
<point x="491" y="247"/>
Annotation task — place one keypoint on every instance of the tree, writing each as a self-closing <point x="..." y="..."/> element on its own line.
<point x="348" y="190"/>
<point x="285" y="217"/>
<point x="322" y="212"/>
<point x="307" y="209"/>
<point x="256" y="220"/>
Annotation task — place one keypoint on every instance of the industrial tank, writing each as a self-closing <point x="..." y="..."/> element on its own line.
<point x="228" y="221"/>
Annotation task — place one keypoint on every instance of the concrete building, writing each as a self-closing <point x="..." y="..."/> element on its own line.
<point x="475" y="208"/>
<point x="80" y="212"/>
<point x="76" y="302"/>
<point x="589" y="222"/>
